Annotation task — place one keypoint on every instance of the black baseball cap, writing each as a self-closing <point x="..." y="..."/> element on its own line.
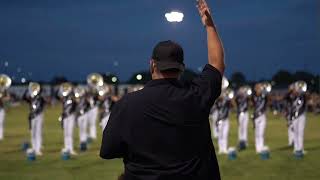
<point x="168" y="55"/>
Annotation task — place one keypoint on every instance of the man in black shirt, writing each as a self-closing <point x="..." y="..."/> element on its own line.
<point x="162" y="132"/>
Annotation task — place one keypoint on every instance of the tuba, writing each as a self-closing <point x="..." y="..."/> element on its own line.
<point x="5" y="83"/>
<point x="65" y="89"/>
<point x="34" y="89"/>
<point x="95" y="80"/>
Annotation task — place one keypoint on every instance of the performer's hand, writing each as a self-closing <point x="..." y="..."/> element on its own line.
<point x="205" y="13"/>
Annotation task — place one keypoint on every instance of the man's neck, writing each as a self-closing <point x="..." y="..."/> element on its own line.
<point x="156" y="76"/>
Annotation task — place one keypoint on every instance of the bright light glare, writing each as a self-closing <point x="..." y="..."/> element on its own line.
<point x="139" y="77"/>
<point x="114" y="79"/>
<point x="23" y="80"/>
<point x="174" y="16"/>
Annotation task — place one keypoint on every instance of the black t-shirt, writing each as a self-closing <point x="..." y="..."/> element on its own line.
<point x="162" y="132"/>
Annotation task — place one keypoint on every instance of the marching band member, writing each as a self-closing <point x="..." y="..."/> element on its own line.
<point x="223" y="104"/>
<point x="94" y="81"/>
<point x="260" y="98"/>
<point x="34" y="98"/>
<point x="5" y="83"/>
<point x="242" y="101"/>
<point x="82" y="108"/>
<point x="298" y="115"/>
<point x="105" y="105"/>
<point x="68" y="116"/>
<point x="287" y="112"/>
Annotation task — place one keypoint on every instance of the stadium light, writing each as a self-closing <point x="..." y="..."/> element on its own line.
<point x="174" y="16"/>
<point x="23" y="80"/>
<point x="114" y="79"/>
<point x="139" y="77"/>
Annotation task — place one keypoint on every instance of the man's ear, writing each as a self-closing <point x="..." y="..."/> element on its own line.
<point x="153" y="66"/>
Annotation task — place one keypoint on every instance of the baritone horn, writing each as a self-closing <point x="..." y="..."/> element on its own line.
<point x="65" y="89"/>
<point x="301" y="86"/>
<point x="95" y="80"/>
<point x="79" y="92"/>
<point x="228" y="94"/>
<point x="34" y="89"/>
<point x="5" y="83"/>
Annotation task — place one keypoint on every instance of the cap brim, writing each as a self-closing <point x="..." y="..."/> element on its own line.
<point x="162" y="66"/>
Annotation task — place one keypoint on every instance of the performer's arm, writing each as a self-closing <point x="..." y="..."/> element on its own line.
<point x="215" y="48"/>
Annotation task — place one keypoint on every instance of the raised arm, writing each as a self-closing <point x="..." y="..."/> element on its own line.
<point x="215" y="48"/>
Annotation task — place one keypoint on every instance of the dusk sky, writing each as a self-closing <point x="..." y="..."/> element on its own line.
<point x="74" y="38"/>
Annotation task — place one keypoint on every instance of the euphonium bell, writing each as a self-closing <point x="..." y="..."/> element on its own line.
<point x="5" y="83"/>
<point x="95" y="80"/>
<point x="65" y="89"/>
<point x="34" y="89"/>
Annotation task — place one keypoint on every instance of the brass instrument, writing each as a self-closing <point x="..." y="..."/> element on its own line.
<point x="95" y="80"/>
<point x="228" y="94"/>
<point x="5" y="83"/>
<point x="245" y="90"/>
<point x="65" y="89"/>
<point x="300" y="86"/>
<point x="79" y="92"/>
<point x="34" y="89"/>
<point x="264" y="88"/>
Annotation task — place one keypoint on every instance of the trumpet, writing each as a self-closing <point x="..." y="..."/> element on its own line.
<point x="34" y="89"/>
<point x="95" y="80"/>
<point x="5" y="83"/>
<point x="65" y="89"/>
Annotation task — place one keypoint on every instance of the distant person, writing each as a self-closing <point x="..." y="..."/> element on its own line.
<point x="260" y="100"/>
<point x="223" y="104"/>
<point x="242" y="101"/>
<point x="37" y="103"/>
<point x="162" y="131"/>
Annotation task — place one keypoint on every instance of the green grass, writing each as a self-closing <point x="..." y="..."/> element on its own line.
<point x="282" y="165"/>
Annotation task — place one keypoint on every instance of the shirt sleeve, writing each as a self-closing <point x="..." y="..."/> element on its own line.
<point x="208" y="86"/>
<point x="113" y="145"/>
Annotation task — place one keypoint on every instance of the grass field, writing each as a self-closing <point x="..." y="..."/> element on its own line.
<point x="88" y="166"/>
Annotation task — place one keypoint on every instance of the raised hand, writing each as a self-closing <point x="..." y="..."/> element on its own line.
<point x="204" y="12"/>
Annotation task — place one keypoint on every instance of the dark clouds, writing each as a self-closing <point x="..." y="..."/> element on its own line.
<point x="74" y="38"/>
